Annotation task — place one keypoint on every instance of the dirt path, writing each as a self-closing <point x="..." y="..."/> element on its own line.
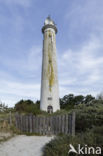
<point x="24" y="146"/>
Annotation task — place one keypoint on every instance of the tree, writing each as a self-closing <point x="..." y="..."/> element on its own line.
<point x="89" y="99"/>
<point x="79" y="99"/>
<point x="27" y="106"/>
<point x="3" y="107"/>
<point x="67" y="101"/>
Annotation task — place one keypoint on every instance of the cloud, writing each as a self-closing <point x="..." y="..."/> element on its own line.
<point x="90" y="55"/>
<point x="34" y="59"/>
<point x="80" y="62"/>
<point x="67" y="81"/>
<point x="23" y="3"/>
<point x="82" y="20"/>
<point x="16" y="91"/>
<point x="27" y="85"/>
<point x="25" y="63"/>
<point x="87" y="13"/>
<point x="87" y="57"/>
<point x="81" y="70"/>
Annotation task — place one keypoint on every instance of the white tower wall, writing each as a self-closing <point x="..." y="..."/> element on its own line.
<point x="49" y="80"/>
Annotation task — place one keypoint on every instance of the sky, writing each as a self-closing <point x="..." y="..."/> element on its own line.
<point x="79" y="45"/>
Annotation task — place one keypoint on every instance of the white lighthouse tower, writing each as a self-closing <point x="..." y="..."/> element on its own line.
<point x="49" y="82"/>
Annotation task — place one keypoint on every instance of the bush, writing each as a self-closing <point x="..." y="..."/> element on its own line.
<point x="59" y="146"/>
<point x="89" y="129"/>
<point x="88" y="116"/>
<point x="69" y="101"/>
<point x="28" y="106"/>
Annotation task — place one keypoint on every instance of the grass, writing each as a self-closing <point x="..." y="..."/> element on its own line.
<point x="59" y="146"/>
<point x="7" y="131"/>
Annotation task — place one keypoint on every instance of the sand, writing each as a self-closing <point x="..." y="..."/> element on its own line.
<point x="22" y="145"/>
<point x="5" y="135"/>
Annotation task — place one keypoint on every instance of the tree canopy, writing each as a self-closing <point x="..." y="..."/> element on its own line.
<point x="69" y="101"/>
<point x="27" y="106"/>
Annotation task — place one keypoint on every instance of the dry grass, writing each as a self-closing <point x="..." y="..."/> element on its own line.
<point x="4" y="136"/>
<point x="6" y="131"/>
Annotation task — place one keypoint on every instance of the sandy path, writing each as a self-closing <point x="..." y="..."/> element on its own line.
<point x="24" y="146"/>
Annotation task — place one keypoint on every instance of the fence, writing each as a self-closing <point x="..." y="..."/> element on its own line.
<point x="46" y="125"/>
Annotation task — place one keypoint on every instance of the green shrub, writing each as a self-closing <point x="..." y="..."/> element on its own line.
<point x="59" y="146"/>
<point x="28" y="106"/>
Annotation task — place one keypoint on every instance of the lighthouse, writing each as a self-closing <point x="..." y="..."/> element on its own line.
<point x="49" y="101"/>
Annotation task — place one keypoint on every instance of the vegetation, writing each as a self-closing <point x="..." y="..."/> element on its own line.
<point x="28" y="106"/>
<point x="59" y="146"/>
<point x="89" y="125"/>
<point x="4" y="108"/>
<point x="89" y="121"/>
<point x="69" y="101"/>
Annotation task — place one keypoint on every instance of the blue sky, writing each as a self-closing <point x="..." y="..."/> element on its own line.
<point x="79" y="47"/>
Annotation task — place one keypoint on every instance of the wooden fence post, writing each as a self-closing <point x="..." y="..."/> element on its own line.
<point x="10" y="118"/>
<point x="27" y="124"/>
<point x="40" y="125"/>
<point x="73" y="123"/>
<point x="59" y="124"/>
<point x="66" y="124"/>
<point x="43" y="125"/>
<point x="54" y="126"/>
<point x="62" y="123"/>
<point x="34" y="123"/>
<point x="31" y="125"/>
<point x="21" y="122"/>
<point x="51" y="129"/>
<point x="16" y="120"/>
<point x="70" y="124"/>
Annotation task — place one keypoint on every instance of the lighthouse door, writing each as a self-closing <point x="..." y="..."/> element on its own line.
<point x="50" y="109"/>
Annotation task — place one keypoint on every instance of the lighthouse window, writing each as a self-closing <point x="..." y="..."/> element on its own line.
<point x="49" y="98"/>
<point x="50" y="109"/>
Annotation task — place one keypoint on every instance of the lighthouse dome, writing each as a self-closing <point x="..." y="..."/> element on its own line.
<point x="49" y="21"/>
